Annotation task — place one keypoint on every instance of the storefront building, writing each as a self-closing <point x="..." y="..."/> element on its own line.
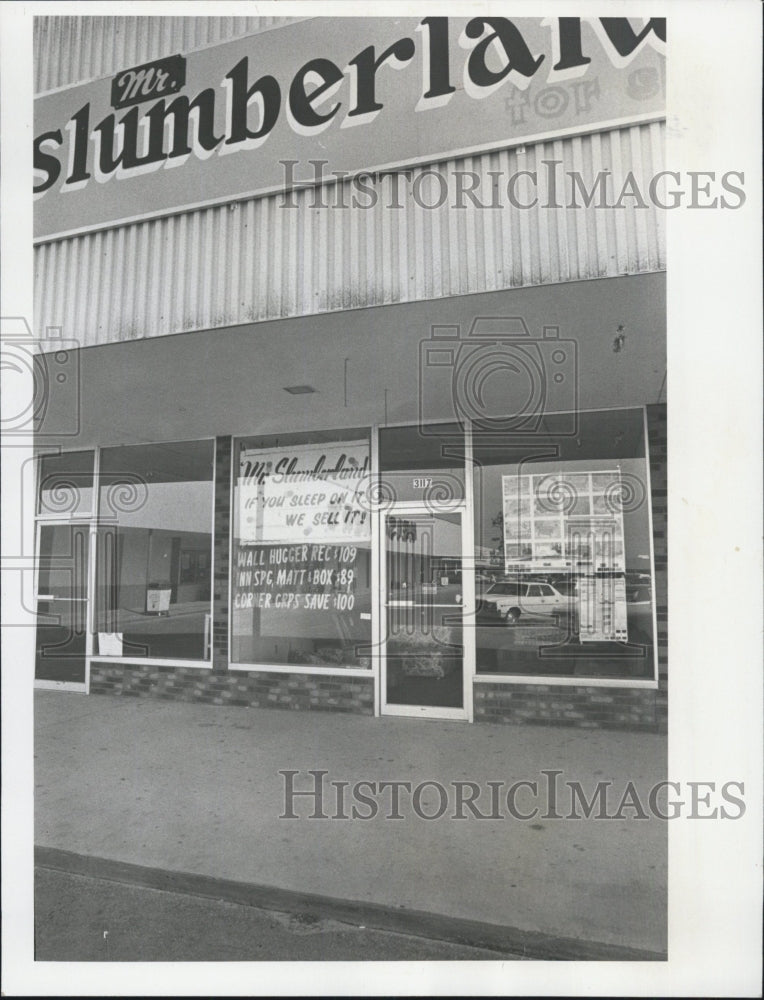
<point x="356" y="377"/>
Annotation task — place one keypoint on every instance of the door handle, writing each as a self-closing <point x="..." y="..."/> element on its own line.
<point x="63" y="600"/>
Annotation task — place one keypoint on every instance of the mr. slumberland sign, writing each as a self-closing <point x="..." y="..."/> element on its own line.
<point x="148" y="82"/>
<point x="361" y="94"/>
<point x="316" y="493"/>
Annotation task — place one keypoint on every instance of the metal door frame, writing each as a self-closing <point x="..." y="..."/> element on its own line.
<point x="85" y="522"/>
<point x="465" y="713"/>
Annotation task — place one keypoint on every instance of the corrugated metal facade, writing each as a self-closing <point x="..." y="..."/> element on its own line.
<point x="257" y="260"/>
<point x="69" y="50"/>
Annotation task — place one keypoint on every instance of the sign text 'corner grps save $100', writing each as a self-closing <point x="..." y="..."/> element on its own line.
<point x="241" y="118"/>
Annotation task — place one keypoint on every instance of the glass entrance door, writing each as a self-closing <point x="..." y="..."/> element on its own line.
<point x="423" y="609"/>
<point x="62" y="605"/>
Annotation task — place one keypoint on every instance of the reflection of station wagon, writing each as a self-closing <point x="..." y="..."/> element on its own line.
<point x="514" y="597"/>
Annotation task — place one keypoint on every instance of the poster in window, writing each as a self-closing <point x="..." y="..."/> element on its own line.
<point x="304" y="493"/>
<point x="563" y="521"/>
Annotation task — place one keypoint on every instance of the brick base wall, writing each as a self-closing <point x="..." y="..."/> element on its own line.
<point x="252" y="689"/>
<point x="584" y="707"/>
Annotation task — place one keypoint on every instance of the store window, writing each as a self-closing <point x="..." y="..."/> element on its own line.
<point x="301" y="558"/>
<point x="562" y="558"/>
<point x="154" y="562"/>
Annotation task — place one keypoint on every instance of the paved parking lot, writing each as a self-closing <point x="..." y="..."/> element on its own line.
<point x="91" y="920"/>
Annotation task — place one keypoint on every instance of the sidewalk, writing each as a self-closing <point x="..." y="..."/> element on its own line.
<point x="196" y="789"/>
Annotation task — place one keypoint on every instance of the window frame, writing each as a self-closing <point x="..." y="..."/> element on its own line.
<point x="315" y="669"/>
<point x="648" y="683"/>
<point x="93" y="520"/>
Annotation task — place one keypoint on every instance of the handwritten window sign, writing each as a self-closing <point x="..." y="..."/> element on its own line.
<point x="309" y="577"/>
<point x="307" y="493"/>
<point x="301" y="573"/>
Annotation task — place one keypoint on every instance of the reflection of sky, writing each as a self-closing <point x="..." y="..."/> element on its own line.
<point x="183" y="506"/>
<point x="488" y="501"/>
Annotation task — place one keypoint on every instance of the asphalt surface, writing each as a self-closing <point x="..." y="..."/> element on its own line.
<point x="81" y="919"/>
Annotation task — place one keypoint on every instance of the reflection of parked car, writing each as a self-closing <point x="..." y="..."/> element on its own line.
<point x="514" y="598"/>
<point x="565" y="583"/>
<point x="635" y="576"/>
<point x="486" y="613"/>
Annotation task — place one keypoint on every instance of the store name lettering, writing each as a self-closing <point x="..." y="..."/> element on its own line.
<point x="319" y="95"/>
<point x="157" y="79"/>
<point x="287" y="470"/>
<point x="139" y="84"/>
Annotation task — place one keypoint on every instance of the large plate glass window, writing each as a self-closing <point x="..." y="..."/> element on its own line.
<point x="562" y="558"/>
<point x="301" y="555"/>
<point x="154" y="565"/>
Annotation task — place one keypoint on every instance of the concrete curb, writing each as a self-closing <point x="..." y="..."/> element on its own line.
<point x="475" y="933"/>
